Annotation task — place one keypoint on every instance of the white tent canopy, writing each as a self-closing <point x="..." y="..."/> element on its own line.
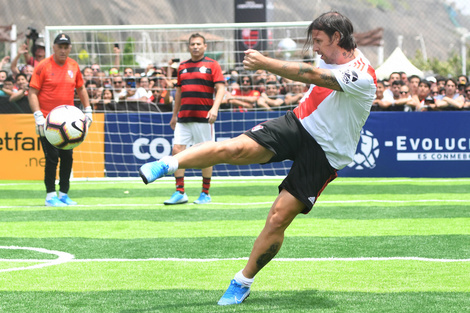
<point x="397" y="62"/>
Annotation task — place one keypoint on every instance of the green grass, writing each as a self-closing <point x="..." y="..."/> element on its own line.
<point x="368" y="245"/>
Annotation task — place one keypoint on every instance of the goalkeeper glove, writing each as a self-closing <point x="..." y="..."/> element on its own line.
<point x="40" y="121"/>
<point x="89" y="115"/>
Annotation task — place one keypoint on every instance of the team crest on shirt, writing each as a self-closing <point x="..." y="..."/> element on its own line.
<point x="257" y="127"/>
<point x="184" y="71"/>
<point x="203" y="69"/>
<point x="70" y="73"/>
<point x="349" y="76"/>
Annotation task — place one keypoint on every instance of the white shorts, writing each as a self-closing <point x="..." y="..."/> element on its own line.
<point x="193" y="133"/>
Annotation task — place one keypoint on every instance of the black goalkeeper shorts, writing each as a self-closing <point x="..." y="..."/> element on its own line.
<point x="287" y="138"/>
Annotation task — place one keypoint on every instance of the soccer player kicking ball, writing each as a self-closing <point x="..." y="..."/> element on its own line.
<point x="320" y="136"/>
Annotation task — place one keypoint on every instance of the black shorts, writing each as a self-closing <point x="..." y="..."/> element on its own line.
<point x="287" y="138"/>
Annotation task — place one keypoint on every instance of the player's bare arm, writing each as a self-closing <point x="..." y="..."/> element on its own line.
<point x="312" y="75"/>
<point x="219" y="95"/>
<point x="297" y="71"/>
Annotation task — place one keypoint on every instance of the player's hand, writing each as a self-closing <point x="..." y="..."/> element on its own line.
<point x="173" y="122"/>
<point x="88" y="115"/>
<point x="252" y="60"/>
<point x="212" y="116"/>
<point x="40" y="121"/>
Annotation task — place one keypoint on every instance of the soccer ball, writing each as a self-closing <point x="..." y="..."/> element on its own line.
<point x="66" y="127"/>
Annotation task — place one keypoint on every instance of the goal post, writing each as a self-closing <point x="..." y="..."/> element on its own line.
<point x="136" y="134"/>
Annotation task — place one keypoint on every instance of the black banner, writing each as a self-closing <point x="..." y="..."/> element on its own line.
<point x="249" y="11"/>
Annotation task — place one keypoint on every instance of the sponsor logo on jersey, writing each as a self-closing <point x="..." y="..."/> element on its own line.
<point x="70" y="73"/>
<point x="203" y="69"/>
<point x="349" y="76"/>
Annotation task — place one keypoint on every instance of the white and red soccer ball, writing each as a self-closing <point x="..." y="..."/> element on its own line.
<point x="66" y="127"/>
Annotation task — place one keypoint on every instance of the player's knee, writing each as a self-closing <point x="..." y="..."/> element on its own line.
<point x="278" y="221"/>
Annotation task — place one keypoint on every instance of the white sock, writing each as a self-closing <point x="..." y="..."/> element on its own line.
<point x="241" y="279"/>
<point x="172" y="163"/>
<point x="61" y="194"/>
<point x="50" y="195"/>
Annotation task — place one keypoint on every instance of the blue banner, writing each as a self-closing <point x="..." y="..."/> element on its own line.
<point x="413" y="144"/>
<point x="393" y="144"/>
<point x="132" y="139"/>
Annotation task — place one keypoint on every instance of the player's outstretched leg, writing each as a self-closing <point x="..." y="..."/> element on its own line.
<point x="150" y="172"/>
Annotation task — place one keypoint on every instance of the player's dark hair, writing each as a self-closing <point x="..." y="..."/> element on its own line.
<point x="197" y="35"/>
<point x="330" y="23"/>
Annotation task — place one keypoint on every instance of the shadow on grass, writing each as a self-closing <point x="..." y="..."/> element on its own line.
<point x="134" y="301"/>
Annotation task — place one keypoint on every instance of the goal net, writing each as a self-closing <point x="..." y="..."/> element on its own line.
<point x="129" y="133"/>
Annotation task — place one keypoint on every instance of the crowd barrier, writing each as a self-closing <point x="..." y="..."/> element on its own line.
<point x="393" y="144"/>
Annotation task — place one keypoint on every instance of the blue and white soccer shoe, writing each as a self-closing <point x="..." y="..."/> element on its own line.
<point x="235" y="294"/>
<point x="55" y="202"/>
<point x="177" y="198"/>
<point x="151" y="171"/>
<point x="66" y="199"/>
<point x="203" y="198"/>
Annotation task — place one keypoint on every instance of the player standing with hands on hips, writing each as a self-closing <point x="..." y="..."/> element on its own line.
<point x="195" y="111"/>
<point x="320" y="135"/>
<point x="53" y="83"/>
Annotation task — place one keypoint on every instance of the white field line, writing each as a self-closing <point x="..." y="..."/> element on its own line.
<point x="64" y="257"/>
<point x="254" y="203"/>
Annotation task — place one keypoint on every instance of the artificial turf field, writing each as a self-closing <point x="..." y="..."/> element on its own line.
<point x="369" y="245"/>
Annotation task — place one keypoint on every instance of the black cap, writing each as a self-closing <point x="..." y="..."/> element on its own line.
<point x="62" y="38"/>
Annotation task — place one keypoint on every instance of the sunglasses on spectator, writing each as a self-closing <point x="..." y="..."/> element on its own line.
<point x="246" y="80"/>
<point x="128" y="72"/>
<point x="403" y="92"/>
<point x="117" y="82"/>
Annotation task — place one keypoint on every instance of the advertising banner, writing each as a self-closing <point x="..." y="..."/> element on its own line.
<point x="21" y="155"/>
<point x="413" y="144"/>
<point x="132" y="139"/>
<point x="22" y="158"/>
<point x="393" y="144"/>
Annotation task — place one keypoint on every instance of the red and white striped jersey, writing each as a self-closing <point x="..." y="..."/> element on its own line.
<point x="335" y="118"/>
<point x="197" y="81"/>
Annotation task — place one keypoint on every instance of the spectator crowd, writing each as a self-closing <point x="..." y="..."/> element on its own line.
<point x="153" y="88"/>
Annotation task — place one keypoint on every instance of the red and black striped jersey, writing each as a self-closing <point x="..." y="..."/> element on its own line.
<point x="197" y="80"/>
